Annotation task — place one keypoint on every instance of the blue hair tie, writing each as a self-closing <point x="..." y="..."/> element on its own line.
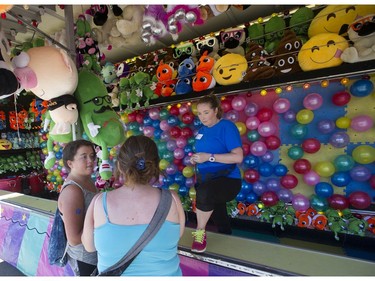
<point x="140" y="164"/>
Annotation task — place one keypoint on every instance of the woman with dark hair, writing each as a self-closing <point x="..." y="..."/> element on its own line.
<point x="116" y="219"/>
<point x="75" y="196"/>
<point x="218" y="149"/>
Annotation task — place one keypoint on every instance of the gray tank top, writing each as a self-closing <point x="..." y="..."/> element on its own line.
<point x="78" y="252"/>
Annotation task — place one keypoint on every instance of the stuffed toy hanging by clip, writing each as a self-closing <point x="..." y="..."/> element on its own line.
<point x="33" y="71"/>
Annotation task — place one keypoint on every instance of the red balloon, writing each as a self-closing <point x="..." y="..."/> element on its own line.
<point x="264" y="114"/>
<point x="180" y="167"/>
<point x="272" y="142"/>
<point x="289" y="181"/>
<point x="186" y="132"/>
<point x="359" y="199"/>
<point x="372" y="181"/>
<point x="269" y="198"/>
<point x="139" y="117"/>
<point x="175" y="132"/>
<point x="251" y="176"/>
<point x="177" y="161"/>
<point x="187" y="118"/>
<point x="132" y="116"/>
<point x="226" y="105"/>
<point x="341" y="98"/>
<point x="311" y="145"/>
<point x="302" y="166"/>
<point x="174" y="110"/>
<point x="338" y="201"/>
<point x="245" y="148"/>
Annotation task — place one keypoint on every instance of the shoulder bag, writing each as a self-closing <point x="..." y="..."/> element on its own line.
<point x="156" y="222"/>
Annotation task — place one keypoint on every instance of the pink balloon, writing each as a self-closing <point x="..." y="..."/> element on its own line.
<point x="148" y="131"/>
<point x="251" y="109"/>
<point x="154" y="113"/>
<point x="252" y="123"/>
<point x="179" y="153"/>
<point x="300" y="202"/>
<point x="232" y="115"/>
<point x="181" y="142"/>
<point x="311" y="178"/>
<point x="281" y="105"/>
<point x="361" y="123"/>
<point x="258" y="148"/>
<point x="238" y="103"/>
<point x="164" y="126"/>
<point x="266" y="129"/>
<point x="183" y="109"/>
<point x="313" y="101"/>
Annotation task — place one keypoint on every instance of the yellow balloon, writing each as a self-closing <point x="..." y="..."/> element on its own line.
<point x="188" y="172"/>
<point x="325" y="169"/>
<point x="343" y="122"/>
<point x="56" y="173"/>
<point x="192" y="193"/>
<point x="241" y="127"/>
<point x="124" y="118"/>
<point x="163" y="164"/>
<point x="174" y="186"/>
<point x="61" y="163"/>
<point x="129" y="133"/>
<point x="364" y="154"/>
<point x="304" y="116"/>
<point x="194" y="108"/>
<point x="45" y="151"/>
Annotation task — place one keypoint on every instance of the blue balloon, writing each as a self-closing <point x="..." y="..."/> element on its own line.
<point x="251" y="197"/>
<point x="341" y="179"/>
<point x="323" y="189"/>
<point x="179" y="178"/>
<point x="172" y="121"/>
<point x="168" y="180"/>
<point x="246" y="187"/>
<point x="183" y="190"/>
<point x="188" y="148"/>
<point x="147" y="121"/>
<point x="265" y="169"/>
<point x="240" y="197"/>
<point x="155" y="124"/>
<point x="251" y="161"/>
<point x="197" y="122"/>
<point x="157" y="133"/>
<point x="280" y="170"/>
<point x="361" y="88"/>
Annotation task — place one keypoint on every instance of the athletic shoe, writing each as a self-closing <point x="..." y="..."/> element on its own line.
<point x="199" y="243"/>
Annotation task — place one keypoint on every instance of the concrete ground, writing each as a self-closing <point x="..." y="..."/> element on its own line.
<point x="7" y="269"/>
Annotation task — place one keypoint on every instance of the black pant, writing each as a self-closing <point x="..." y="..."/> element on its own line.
<point x="85" y="269"/>
<point x="213" y="196"/>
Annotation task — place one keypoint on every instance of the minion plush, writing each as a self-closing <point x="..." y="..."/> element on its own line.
<point x="230" y="69"/>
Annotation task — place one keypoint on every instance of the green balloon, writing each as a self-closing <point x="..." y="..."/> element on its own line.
<point x="295" y="152"/>
<point x="168" y="155"/>
<point x="318" y="203"/>
<point x="344" y="163"/>
<point x="253" y="135"/>
<point x="298" y="131"/>
<point x="163" y="114"/>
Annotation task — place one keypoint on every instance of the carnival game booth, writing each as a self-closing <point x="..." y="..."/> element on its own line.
<point x="26" y="225"/>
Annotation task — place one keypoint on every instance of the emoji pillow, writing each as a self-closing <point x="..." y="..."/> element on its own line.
<point x="337" y="18"/>
<point x="230" y="69"/>
<point x="322" y="51"/>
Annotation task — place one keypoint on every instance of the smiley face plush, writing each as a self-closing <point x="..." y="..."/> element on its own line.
<point x="230" y="69"/>
<point x="322" y="51"/>
<point x="337" y="18"/>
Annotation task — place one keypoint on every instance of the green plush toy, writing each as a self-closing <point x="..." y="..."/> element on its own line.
<point x="256" y="35"/>
<point x="300" y="22"/>
<point x="274" y="31"/>
<point x="100" y="122"/>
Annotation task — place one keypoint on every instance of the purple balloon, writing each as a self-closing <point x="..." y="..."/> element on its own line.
<point x="360" y="173"/>
<point x="285" y="195"/>
<point x="300" y="202"/>
<point x="189" y="182"/>
<point x="164" y="126"/>
<point x="326" y="126"/>
<point x="238" y="103"/>
<point x="361" y="123"/>
<point x="289" y="116"/>
<point x="252" y="123"/>
<point x="259" y="188"/>
<point x="311" y="178"/>
<point x="281" y="105"/>
<point x="267" y="157"/>
<point x="164" y="136"/>
<point x="171" y="145"/>
<point x="339" y="139"/>
<point x="179" y="153"/>
<point x="251" y="109"/>
<point x="232" y="115"/>
<point x="273" y="184"/>
<point x="181" y="142"/>
<point x="313" y="101"/>
<point x="171" y="169"/>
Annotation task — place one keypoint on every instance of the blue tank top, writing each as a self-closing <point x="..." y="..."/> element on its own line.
<point x="159" y="257"/>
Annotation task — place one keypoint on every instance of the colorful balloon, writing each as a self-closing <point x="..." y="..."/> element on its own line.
<point x="269" y="198"/>
<point x="304" y="116"/>
<point x="264" y="114"/>
<point x="338" y="201"/>
<point x="340" y="179"/>
<point x="295" y="152"/>
<point x="341" y="98"/>
<point x="313" y="101"/>
<point x="311" y="178"/>
<point x="251" y="176"/>
<point x="343" y="163"/>
<point x="361" y="123"/>
<point x="360" y="173"/>
<point x="289" y="116"/>
<point x="252" y="123"/>
<point x="324" y="189"/>
<point x="326" y="126"/>
<point x="241" y="127"/>
<point x="285" y="195"/>
<point x="361" y="88"/>
<point x="319" y="204"/>
<point x="364" y="154"/>
<point x="238" y="103"/>
<point x="359" y="200"/>
<point x="343" y="122"/>
<point x="251" y="109"/>
<point x="258" y="148"/>
<point x="325" y="168"/>
<point x="289" y="181"/>
<point x="311" y="145"/>
<point x="281" y="105"/>
<point x="259" y="188"/>
<point x="300" y="202"/>
<point x="339" y="139"/>
<point x="272" y="142"/>
<point x="298" y="131"/>
<point x="302" y="166"/>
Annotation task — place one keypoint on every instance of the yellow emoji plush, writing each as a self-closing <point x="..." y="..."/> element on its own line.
<point x="337" y="18"/>
<point x="230" y="69"/>
<point x="322" y="51"/>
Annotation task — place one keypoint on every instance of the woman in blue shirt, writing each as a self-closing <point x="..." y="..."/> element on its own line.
<point x="218" y="149"/>
<point x="116" y="219"/>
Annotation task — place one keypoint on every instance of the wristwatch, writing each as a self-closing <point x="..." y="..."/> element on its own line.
<point x="212" y="158"/>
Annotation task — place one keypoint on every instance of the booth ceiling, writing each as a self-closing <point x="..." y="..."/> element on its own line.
<point x="24" y="22"/>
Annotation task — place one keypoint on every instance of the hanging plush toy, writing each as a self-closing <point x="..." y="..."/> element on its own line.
<point x="100" y="122"/>
<point x="322" y="51"/>
<point x="255" y="34"/>
<point x="184" y="51"/>
<point x="164" y="74"/>
<point x="33" y="71"/>
<point x="362" y="33"/>
<point x="8" y="81"/>
<point x="154" y="24"/>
